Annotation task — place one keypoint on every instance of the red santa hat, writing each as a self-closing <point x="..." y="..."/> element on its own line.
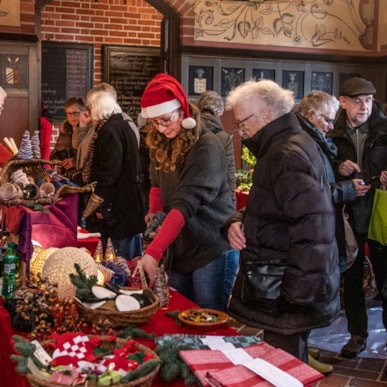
<point x="163" y="95"/>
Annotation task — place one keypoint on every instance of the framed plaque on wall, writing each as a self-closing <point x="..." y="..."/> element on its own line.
<point x="200" y="79"/>
<point x="129" y="69"/>
<point x="67" y="71"/>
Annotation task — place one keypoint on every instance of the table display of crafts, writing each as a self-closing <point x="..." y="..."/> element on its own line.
<point x="79" y="359"/>
<point x="28" y="180"/>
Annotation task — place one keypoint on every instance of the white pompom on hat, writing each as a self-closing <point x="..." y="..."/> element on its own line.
<point x="163" y="95"/>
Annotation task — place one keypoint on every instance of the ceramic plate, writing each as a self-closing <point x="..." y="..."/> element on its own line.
<point x="203" y="318"/>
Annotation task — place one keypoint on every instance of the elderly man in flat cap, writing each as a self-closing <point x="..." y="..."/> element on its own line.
<point x="360" y="134"/>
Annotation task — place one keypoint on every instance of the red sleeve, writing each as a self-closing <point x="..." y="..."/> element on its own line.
<point x="5" y="155"/>
<point x="155" y="200"/>
<point x="169" y="230"/>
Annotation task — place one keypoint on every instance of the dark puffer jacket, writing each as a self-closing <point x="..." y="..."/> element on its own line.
<point x="374" y="160"/>
<point x="288" y="280"/>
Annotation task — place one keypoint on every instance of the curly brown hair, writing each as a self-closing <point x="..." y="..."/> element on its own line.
<point x="169" y="153"/>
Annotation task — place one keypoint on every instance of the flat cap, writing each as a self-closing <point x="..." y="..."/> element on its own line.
<point x="357" y="86"/>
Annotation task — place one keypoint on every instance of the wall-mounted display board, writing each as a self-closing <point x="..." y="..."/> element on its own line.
<point x="67" y="71"/>
<point x="129" y="69"/>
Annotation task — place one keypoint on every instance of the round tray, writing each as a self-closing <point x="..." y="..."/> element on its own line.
<point x="219" y="318"/>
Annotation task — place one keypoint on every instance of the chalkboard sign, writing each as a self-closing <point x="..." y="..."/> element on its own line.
<point x="66" y="72"/>
<point x="129" y="69"/>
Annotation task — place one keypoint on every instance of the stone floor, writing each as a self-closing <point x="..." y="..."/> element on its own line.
<point x="359" y="372"/>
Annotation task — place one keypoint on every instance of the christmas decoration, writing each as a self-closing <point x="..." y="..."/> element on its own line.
<point x="110" y="254"/>
<point x="161" y="287"/>
<point x="25" y="151"/>
<point x="98" y="253"/>
<point x="35" y="145"/>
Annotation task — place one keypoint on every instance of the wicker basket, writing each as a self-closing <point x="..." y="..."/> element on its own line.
<point x="38" y="169"/>
<point x="144" y="381"/>
<point x="119" y="319"/>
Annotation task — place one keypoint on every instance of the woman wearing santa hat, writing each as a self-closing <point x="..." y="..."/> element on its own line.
<point x="189" y="183"/>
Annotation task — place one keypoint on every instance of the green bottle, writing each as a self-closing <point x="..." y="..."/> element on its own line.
<point x="10" y="271"/>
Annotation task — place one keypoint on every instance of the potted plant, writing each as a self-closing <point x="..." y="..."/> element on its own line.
<point x="244" y="177"/>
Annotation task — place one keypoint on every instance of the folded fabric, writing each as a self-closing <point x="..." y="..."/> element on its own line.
<point x="201" y="341"/>
<point x="213" y="367"/>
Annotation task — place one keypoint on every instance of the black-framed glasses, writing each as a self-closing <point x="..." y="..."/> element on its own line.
<point x="164" y="122"/>
<point x="73" y="113"/>
<point x="328" y="121"/>
<point x="239" y="123"/>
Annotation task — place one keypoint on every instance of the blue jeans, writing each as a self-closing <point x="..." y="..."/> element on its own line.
<point x="128" y="247"/>
<point x="209" y="286"/>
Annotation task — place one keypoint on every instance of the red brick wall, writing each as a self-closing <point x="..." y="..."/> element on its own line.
<point x="116" y="22"/>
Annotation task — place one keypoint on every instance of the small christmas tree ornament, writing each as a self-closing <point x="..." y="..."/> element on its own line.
<point x="98" y="253"/>
<point x="110" y="254"/>
<point x="161" y="287"/>
<point x="25" y="151"/>
<point x="35" y="145"/>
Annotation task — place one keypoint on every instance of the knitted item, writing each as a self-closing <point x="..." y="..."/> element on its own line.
<point x="25" y="151"/>
<point x="35" y="145"/>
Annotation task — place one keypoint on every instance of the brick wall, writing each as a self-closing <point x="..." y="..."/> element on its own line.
<point x="115" y="22"/>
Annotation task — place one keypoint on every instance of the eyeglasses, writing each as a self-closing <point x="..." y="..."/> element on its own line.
<point x="327" y="120"/>
<point x="73" y="113"/>
<point x="164" y="122"/>
<point x="239" y="123"/>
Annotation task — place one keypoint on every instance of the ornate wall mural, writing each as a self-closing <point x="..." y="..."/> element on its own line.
<point x="324" y="24"/>
<point x="10" y="12"/>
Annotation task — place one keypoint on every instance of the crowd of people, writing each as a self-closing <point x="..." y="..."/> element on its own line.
<point x="278" y="263"/>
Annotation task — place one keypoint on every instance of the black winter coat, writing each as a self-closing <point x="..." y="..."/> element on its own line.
<point x="374" y="160"/>
<point x="116" y="168"/>
<point x="289" y="275"/>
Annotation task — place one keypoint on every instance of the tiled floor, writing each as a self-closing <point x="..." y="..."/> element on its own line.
<point x="359" y="372"/>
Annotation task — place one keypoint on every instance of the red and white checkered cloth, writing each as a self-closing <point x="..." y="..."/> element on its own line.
<point x="213" y="368"/>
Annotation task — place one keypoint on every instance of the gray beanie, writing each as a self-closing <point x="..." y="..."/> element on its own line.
<point x="211" y="102"/>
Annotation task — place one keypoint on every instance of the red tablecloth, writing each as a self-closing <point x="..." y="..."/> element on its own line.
<point x="159" y="324"/>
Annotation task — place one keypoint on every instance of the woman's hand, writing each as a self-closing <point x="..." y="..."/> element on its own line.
<point x="150" y="266"/>
<point x="236" y="236"/>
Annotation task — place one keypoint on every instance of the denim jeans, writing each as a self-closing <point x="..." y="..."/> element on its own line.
<point x="128" y="247"/>
<point x="209" y="286"/>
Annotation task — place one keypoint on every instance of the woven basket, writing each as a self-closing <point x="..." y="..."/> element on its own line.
<point x="119" y="319"/>
<point x="32" y="167"/>
<point x="144" y="381"/>
<point x="37" y="168"/>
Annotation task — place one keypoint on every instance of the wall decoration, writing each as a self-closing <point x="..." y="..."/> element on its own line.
<point x="129" y="69"/>
<point x="294" y="80"/>
<point x="259" y="74"/>
<point x="14" y="71"/>
<point x="345" y="76"/>
<point x="328" y="24"/>
<point x="321" y="81"/>
<point x="231" y="77"/>
<point x="67" y="71"/>
<point x="200" y="79"/>
<point x="10" y="13"/>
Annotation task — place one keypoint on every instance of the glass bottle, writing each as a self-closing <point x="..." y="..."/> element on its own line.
<point x="10" y="271"/>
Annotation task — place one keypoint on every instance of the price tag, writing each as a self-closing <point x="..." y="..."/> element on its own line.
<point x="41" y="354"/>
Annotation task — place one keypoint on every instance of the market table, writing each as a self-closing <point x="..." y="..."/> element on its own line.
<point x="159" y="324"/>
